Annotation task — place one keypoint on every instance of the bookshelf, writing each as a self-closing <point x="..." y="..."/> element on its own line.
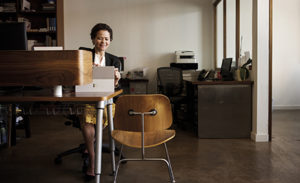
<point x="44" y="19"/>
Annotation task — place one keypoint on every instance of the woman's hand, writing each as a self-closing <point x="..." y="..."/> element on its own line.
<point x="117" y="76"/>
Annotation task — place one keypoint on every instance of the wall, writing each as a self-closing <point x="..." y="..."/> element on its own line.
<point x="260" y="66"/>
<point x="147" y="32"/>
<point x="231" y="29"/>
<point x="246" y="26"/>
<point x="286" y="54"/>
<point x="220" y="34"/>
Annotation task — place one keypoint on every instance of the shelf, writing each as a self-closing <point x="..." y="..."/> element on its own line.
<point x="41" y="15"/>
<point x="37" y="32"/>
<point x="37" y="12"/>
<point x="2" y="13"/>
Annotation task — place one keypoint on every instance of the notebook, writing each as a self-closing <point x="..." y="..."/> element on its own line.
<point x="103" y="81"/>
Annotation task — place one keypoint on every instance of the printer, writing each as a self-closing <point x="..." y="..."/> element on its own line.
<point x="185" y="57"/>
<point x="185" y="60"/>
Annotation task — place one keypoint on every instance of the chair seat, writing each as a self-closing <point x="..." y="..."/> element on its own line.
<point x="151" y="139"/>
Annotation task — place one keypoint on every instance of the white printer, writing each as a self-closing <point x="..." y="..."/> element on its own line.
<point x="185" y="57"/>
<point x="185" y="60"/>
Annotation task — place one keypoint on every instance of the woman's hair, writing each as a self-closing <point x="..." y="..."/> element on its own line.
<point x="101" y="26"/>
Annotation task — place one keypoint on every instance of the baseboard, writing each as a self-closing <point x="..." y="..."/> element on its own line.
<point x="285" y="107"/>
<point x="259" y="137"/>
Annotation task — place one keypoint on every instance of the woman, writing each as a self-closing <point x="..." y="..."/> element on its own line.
<point x="101" y="35"/>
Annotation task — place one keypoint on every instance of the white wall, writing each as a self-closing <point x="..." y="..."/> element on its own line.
<point x="260" y="66"/>
<point x="230" y="29"/>
<point x="220" y="34"/>
<point x="286" y="54"/>
<point x="246" y="26"/>
<point x="147" y="32"/>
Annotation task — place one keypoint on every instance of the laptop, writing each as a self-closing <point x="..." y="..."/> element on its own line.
<point x="103" y="81"/>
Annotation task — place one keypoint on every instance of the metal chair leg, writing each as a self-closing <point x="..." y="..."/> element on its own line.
<point x="167" y="161"/>
<point x="169" y="165"/>
<point x="119" y="161"/>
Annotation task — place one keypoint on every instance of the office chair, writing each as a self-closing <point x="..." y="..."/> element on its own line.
<point x="142" y="121"/>
<point x="74" y="120"/>
<point x="170" y="83"/>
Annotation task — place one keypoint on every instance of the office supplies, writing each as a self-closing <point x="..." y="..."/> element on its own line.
<point x="205" y="75"/>
<point x="103" y="81"/>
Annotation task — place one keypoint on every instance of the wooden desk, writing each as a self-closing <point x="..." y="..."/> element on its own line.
<point x="101" y="99"/>
<point x="223" y="108"/>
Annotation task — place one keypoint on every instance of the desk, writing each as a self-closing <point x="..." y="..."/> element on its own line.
<point x="101" y="99"/>
<point x="223" y="108"/>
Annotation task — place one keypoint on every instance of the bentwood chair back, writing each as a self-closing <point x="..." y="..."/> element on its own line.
<point x="142" y="121"/>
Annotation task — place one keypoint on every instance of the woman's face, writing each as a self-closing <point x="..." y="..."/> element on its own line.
<point x="102" y="40"/>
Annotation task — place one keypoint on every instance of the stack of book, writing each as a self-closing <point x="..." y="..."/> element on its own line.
<point x="9" y="7"/>
<point x="51" y="24"/>
<point x="25" y="5"/>
<point x="49" y="41"/>
<point x="48" y="6"/>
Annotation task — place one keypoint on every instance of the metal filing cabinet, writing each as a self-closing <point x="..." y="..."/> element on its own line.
<point x="224" y="111"/>
<point x="138" y="86"/>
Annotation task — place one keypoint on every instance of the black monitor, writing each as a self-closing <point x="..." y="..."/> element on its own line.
<point x="226" y="69"/>
<point x="226" y="64"/>
<point x="13" y="36"/>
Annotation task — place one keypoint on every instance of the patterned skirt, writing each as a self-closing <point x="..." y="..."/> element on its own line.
<point x="90" y="114"/>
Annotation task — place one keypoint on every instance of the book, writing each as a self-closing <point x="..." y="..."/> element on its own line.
<point x="25" y="5"/>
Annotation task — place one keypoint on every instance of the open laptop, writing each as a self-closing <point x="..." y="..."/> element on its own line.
<point x="103" y="81"/>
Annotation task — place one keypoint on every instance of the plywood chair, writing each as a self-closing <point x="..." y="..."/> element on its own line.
<point x="142" y="121"/>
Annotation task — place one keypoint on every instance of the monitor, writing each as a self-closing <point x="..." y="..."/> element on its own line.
<point x="226" y="64"/>
<point x="226" y="69"/>
<point x="13" y="36"/>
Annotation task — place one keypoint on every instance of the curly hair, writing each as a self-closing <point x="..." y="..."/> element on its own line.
<point x="101" y="26"/>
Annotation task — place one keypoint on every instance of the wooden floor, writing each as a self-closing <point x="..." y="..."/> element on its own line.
<point x="194" y="160"/>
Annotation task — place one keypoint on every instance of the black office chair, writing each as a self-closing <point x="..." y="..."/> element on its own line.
<point x="170" y="83"/>
<point x="74" y="120"/>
